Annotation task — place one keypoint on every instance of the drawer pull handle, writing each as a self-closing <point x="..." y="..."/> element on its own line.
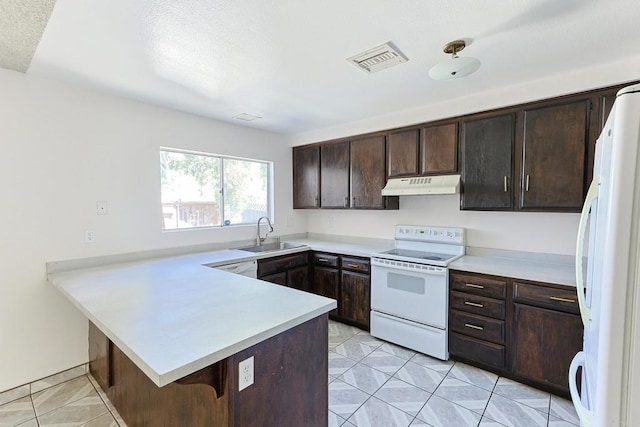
<point x="506" y="187"/>
<point x="469" y="325"/>
<point x="323" y="260"/>
<point x="473" y="304"/>
<point x="471" y="285"/>
<point x="353" y="265"/>
<point x="561" y="299"/>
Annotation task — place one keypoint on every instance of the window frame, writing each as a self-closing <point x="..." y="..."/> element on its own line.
<point x="270" y="187"/>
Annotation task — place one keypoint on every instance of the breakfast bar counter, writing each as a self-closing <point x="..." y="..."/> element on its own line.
<point x="167" y="335"/>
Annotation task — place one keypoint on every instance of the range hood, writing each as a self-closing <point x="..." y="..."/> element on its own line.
<point x="443" y="184"/>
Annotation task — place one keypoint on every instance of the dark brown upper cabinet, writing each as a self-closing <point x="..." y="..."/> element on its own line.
<point x="429" y="150"/>
<point x="439" y="149"/>
<point x="306" y="177"/>
<point x="368" y="176"/>
<point x="487" y="163"/>
<point x="402" y="153"/>
<point x="334" y="175"/>
<point x="555" y="144"/>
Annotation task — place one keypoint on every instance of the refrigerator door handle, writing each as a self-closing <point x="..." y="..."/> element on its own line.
<point x="584" y="414"/>
<point x="592" y="195"/>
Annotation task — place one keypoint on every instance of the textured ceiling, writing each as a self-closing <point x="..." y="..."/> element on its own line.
<point x="285" y="60"/>
<point x="21" y="25"/>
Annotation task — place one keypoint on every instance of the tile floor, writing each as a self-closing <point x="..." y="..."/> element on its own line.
<point x="371" y="383"/>
<point x="378" y="384"/>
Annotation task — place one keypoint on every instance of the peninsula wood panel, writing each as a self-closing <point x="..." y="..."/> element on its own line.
<point x="290" y="379"/>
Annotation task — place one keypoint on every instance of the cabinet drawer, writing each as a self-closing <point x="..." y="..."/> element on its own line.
<point x="478" y="351"/>
<point x="360" y="265"/>
<point x="480" y="285"/>
<point x="326" y="260"/>
<point x="548" y="297"/>
<point x="483" y="306"/>
<point x="281" y="263"/>
<point x="481" y="327"/>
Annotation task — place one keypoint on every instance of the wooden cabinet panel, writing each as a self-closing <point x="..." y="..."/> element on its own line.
<point x="298" y="278"/>
<point x="478" y="305"/>
<point x="402" y="153"/>
<point x="306" y="177"/>
<point x="487" y="162"/>
<point x="544" y="342"/>
<point x="361" y="265"/>
<point x="439" y="149"/>
<point x="355" y="297"/>
<point x="475" y="350"/>
<point x="489" y="286"/>
<point x="555" y="146"/>
<point x="277" y="278"/>
<point x="481" y="327"/>
<point x="325" y="283"/>
<point x="334" y="175"/>
<point x="548" y="297"/>
<point x="368" y="176"/>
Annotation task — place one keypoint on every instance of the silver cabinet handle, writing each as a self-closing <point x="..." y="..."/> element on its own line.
<point x="469" y="325"/>
<point x="353" y="265"/>
<point x="506" y="187"/>
<point x="526" y="185"/>
<point x="346" y="202"/>
<point x="315" y="201"/>
<point x="561" y="299"/>
<point x="323" y="260"/>
<point x="473" y="304"/>
<point x="353" y="202"/>
<point x="471" y="285"/>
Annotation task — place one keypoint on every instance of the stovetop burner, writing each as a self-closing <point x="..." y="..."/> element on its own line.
<point x="405" y="253"/>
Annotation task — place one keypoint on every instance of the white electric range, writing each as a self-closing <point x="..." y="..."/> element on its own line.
<point x="410" y="288"/>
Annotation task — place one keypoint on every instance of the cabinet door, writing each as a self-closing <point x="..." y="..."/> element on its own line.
<point x="544" y="342"/>
<point x="325" y="282"/>
<point x="277" y="278"/>
<point x="334" y="175"/>
<point x="368" y="175"/>
<point x="487" y="159"/>
<point x="439" y="149"/>
<point x="355" y="298"/>
<point x="402" y="153"/>
<point x="554" y="152"/>
<point x="298" y="278"/>
<point x="306" y="177"/>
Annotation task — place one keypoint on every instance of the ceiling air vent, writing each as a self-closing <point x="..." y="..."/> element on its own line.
<point x="378" y="58"/>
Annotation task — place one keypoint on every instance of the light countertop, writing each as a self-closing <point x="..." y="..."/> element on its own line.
<point x="558" y="269"/>
<point x="174" y="316"/>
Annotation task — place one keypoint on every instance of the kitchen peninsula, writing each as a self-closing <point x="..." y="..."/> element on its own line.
<point x="166" y="337"/>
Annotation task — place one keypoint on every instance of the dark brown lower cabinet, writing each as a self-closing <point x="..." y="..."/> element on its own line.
<point x="325" y="282"/>
<point x="544" y="338"/>
<point x="290" y="384"/>
<point x="528" y="331"/>
<point x="287" y="270"/>
<point x="355" y="300"/>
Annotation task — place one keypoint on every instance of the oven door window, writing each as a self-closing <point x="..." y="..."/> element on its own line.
<point x="416" y="296"/>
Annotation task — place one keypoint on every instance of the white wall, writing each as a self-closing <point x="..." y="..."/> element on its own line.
<point x="535" y="232"/>
<point x="63" y="149"/>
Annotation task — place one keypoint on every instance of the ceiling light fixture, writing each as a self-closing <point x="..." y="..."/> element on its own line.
<point x="455" y="67"/>
<point x="246" y="117"/>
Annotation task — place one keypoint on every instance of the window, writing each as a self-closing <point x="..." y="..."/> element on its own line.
<point x="205" y="190"/>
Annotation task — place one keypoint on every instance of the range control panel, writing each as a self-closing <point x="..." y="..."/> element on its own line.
<point x="422" y="233"/>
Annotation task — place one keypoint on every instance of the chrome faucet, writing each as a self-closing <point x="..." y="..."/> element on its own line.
<point x="259" y="239"/>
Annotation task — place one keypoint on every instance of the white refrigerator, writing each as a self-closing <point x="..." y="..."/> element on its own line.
<point x="609" y="291"/>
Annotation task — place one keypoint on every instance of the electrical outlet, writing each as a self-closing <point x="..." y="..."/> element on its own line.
<point x="89" y="236"/>
<point x="102" y="207"/>
<point x="245" y="373"/>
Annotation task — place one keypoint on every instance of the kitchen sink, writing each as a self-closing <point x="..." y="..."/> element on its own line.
<point x="270" y="247"/>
